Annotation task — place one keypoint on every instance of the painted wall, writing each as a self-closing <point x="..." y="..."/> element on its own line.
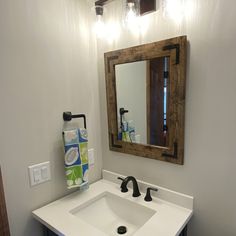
<point x="128" y="77"/>
<point x="209" y="170"/>
<point x="47" y="65"/>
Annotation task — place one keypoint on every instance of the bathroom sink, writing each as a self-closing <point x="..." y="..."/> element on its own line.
<point x="108" y="212"/>
<point x="103" y="208"/>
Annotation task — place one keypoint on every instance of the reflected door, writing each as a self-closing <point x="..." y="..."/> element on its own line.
<point x="157" y="89"/>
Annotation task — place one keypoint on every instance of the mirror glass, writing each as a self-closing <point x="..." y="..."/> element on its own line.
<point x="142" y="101"/>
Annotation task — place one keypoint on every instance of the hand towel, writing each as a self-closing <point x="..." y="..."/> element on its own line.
<point x="76" y="157"/>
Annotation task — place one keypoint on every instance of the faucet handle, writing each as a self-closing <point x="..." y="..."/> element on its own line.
<point x="123" y="187"/>
<point x="120" y="178"/>
<point x="148" y="197"/>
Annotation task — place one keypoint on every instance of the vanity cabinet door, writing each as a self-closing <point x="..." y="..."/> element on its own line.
<point x="4" y="226"/>
<point x="184" y="232"/>
<point x="48" y="232"/>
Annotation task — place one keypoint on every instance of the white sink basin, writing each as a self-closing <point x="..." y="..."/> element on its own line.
<point x="108" y="211"/>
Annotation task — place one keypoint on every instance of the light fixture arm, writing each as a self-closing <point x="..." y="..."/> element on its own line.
<point x="102" y="2"/>
<point x="146" y="6"/>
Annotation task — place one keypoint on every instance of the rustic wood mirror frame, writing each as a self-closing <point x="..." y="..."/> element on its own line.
<point x="175" y="49"/>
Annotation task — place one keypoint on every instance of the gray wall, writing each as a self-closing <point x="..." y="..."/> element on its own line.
<point x="209" y="170"/>
<point x="47" y="66"/>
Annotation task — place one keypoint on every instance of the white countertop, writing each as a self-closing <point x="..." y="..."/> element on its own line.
<point x="169" y="219"/>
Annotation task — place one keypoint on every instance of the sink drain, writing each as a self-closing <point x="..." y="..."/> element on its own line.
<point x="121" y="230"/>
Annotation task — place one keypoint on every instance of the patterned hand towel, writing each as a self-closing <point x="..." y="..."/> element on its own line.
<point x="76" y="157"/>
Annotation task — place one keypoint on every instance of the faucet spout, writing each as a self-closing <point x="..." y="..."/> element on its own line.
<point x="136" y="192"/>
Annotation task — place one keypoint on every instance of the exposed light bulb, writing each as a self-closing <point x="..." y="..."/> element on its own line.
<point x="131" y="16"/>
<point x="174" y="9"/>
<point x="99" y="27"/>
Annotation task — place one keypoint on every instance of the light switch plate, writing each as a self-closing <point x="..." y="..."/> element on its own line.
<point x="39" y="173"/>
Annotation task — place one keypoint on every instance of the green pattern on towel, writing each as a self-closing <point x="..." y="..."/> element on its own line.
<point x="76" y="157"/>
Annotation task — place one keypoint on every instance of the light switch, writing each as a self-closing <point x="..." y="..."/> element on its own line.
<point x="44" y="172"/>
<point x="39" y="173"/>
<point x="91" y="157"/>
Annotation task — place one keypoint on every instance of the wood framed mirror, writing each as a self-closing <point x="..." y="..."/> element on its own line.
<point x="145" y="87"/>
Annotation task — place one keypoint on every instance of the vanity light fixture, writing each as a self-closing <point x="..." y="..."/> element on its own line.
<point x="133" y="9"/>
<point x="146" y="6"/>
<point x="99" y="25"/>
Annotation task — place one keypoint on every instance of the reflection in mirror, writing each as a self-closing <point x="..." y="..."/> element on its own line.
<point x="142" y="101"/>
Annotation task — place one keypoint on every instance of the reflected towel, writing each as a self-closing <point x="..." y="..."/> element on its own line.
<point x="76" y="157"/>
